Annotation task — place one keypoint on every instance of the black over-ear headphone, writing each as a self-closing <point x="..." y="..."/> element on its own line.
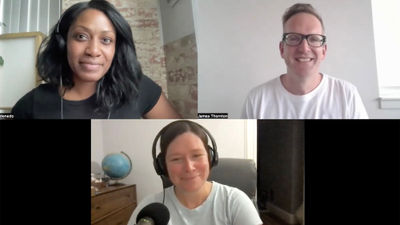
<point x="59" y="37"/>
<point x="159" y="161"/>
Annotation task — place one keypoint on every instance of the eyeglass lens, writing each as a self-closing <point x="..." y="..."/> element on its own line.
<point x="314" y="40"/>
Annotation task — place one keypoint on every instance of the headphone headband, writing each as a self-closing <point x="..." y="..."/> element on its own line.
<point x="159" y="160"/>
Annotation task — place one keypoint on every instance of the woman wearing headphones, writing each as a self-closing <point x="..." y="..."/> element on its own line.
<point x="91" y="70"/>
<point x="186" y="159"/>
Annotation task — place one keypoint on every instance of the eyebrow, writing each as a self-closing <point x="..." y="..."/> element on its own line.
<point x="191" y="151"/>
<point x="88" y="30"/>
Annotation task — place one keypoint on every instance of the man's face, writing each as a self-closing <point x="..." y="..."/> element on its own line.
<point x="302" y="60"/>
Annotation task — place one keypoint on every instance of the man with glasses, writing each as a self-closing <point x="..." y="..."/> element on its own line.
<point x="304" y="92"/>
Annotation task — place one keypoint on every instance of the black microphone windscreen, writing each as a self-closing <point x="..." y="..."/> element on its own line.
<point x="157" y="211"/>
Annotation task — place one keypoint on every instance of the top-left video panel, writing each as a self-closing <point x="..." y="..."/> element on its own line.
<point x="98" y="60"/>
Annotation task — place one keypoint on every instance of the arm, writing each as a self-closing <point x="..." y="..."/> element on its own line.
<point x="360" y="111"/>
<point x="23" y="108"/>
<point x="162" y="110"/>
<point x="243" y="210"/>
<point x="356" y="108"/>
<point x="248" y="109"/>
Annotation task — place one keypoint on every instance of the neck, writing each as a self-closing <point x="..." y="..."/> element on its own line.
<point x="194" y="199"/>
<point x="80" y="91"/>
<point x="300" y="85"/>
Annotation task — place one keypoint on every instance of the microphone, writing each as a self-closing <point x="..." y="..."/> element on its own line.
<point x="153" y="214"/>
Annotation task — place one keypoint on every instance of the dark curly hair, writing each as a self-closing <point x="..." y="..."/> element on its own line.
<point x="120" y="84"/>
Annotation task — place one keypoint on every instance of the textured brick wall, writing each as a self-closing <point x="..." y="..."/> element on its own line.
<point x="143" y="17"/>
<point x="181" y="62"/>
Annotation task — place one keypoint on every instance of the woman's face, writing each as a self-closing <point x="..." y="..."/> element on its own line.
<point x="90" y="46"/>
<point x="187" y="162"/>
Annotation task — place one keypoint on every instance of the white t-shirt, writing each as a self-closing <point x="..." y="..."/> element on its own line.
<point x="224" y="206"/>
<point x="331" y="99"/>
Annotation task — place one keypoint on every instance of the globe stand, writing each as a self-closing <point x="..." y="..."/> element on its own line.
<point x="115" y="183"/>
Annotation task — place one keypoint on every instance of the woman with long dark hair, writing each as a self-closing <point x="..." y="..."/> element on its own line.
<point x="91" y="71"/>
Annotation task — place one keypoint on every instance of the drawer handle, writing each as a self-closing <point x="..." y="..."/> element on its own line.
<point x="98" y="207"/>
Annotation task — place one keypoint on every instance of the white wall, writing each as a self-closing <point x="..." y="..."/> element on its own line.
<point x="238" y="42"/>
<point x="234" y="138"/>
<point x="177" y="20"/>
<point x="16" y="80"/>
<point x="97" y="151"/>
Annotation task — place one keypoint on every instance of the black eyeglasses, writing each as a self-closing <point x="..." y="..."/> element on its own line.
<point x="313" y="40"/>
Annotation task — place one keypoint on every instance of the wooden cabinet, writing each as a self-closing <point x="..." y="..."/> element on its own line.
<point x="113" y="205"/>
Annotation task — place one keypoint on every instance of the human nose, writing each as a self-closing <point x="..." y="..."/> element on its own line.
<point x="93" y="48"/>
<point x="189" y="164"/>
<point x="303" y="46"/>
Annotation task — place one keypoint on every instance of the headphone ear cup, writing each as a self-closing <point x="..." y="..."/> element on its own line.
<point x="213" y="156"/>
<point x="60" y="41"/>
<point x="159" y="165"/>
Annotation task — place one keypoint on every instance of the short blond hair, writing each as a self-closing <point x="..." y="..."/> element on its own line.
<point x="301" y="8"/>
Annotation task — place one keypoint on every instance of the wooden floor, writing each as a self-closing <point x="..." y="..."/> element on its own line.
<point x="270" y="219"/>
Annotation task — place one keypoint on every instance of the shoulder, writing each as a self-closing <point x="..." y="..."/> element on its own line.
<point x="266" y="85"/>
<point x="24" y="107"/>
<point x="240" y="208"/>
<point x="147" y="96"/>
<point x="228" y="191"/>
<point x="149" y="93"/>
<point x="339" y="84"/>
<point x="143" y="203"/>
<point x="151" y="198"/>
<point x="147" y="84"/>
<point x="264" y="88"/>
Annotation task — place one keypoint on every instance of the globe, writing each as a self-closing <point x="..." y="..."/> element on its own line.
<point x="117" y="165"/>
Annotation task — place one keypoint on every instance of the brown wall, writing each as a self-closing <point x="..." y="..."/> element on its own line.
<point x="280" y="163"/>
<point x="181" y="62"/>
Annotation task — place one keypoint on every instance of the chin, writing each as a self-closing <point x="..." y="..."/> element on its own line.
<point x="304" y="71"/>
<point x="193" y="186"/>
<point x="90" y="77"/>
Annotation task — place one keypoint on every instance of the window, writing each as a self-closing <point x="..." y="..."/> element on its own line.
<point x="1" y="17"/>
<point x="26" y="16"/>
<point x="386" y="23"/>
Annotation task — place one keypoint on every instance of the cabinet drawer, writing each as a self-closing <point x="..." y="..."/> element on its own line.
<point x="108" y="203"/>
<point x="120" y="218"/>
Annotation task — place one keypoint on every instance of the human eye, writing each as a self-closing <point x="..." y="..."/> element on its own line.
<point x="315" y="38"/>
<point x="198" y="155"/>
<point x="293" y="37"/>
<point x="107" y="40"/>
<point x="175" y="159"/>
<point x="81" y="37"/>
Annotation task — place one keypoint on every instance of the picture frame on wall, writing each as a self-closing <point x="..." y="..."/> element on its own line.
<point x="18" y="72"/>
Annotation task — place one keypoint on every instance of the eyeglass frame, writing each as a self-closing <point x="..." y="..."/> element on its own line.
<point x="323" y="42"/>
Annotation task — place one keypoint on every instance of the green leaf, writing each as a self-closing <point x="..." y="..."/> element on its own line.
<point x="1" y="61"/>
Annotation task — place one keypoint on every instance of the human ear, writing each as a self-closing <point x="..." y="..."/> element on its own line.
<point x="324" y="49"/>
<point x="281" y="50"/>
